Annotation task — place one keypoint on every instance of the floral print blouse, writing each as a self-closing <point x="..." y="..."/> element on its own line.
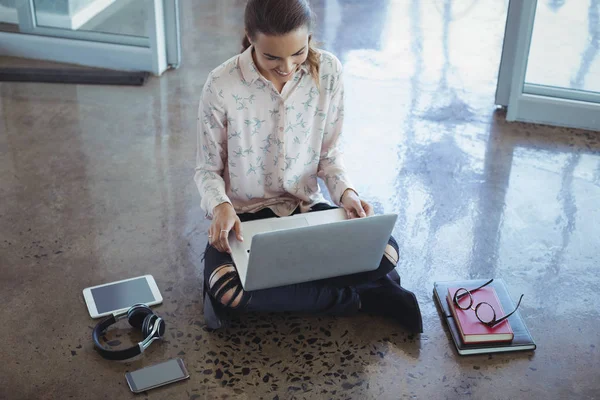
<point x="259" y="148"/>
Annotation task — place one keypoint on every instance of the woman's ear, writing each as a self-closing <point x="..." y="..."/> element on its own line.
<point x="246" y="43"/>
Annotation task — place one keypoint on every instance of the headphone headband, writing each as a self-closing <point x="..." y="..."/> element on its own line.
<point x="158" y="328"/>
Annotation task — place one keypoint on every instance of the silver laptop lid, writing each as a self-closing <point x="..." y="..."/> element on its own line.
<point x="311" y="253"/>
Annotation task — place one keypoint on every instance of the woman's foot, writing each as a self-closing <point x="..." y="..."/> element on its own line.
<point x="393" y="301"/>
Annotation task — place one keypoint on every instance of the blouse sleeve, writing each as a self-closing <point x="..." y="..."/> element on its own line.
<point x="331" y="165"/>
<point x="211" y="150"/>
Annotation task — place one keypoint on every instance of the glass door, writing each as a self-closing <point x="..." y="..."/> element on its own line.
<point x="142" y="35"/>
<point x="550" y="68"/>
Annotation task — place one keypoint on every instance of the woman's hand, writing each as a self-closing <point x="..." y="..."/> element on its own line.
<point x="354" y="206"/>
<point x="224" y="220"/>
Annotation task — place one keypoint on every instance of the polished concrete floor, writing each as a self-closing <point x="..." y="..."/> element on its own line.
<point x="96" y="185"/>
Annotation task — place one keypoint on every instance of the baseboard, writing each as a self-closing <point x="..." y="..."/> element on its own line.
<point x="73" y="76"/>
<point x="80" y="52"/>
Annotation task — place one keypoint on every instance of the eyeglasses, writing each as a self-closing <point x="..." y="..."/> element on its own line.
<point x="484" y="311"/>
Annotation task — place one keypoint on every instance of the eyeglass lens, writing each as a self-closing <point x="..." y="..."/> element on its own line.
<point x="485" y="313"/>
<point x="463" y="299"/>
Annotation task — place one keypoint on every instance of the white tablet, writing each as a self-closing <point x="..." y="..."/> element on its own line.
<point x="118" y="296"/>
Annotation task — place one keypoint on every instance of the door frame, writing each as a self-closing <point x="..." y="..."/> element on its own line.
<point x="155" y="53"/>
<point x="537" y="103"/>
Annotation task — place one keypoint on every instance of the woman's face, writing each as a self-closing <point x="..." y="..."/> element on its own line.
<point x="278" y="57"/>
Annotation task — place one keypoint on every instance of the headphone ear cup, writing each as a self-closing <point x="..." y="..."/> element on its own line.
<point x="162" y="327"/>
<point x="137" y="315"/>
<point x="147" y="325"/>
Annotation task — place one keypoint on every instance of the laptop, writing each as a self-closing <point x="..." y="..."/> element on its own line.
<point x="308" y="247"/>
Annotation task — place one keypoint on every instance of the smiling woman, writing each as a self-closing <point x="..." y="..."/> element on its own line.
<point x="269" y="125"/>
<point x="282" y="38"/>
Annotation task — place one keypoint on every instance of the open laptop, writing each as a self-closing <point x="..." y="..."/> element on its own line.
<point x="307" y="247"/>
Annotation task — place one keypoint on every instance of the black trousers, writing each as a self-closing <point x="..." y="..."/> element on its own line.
<point x="332" y="296"/>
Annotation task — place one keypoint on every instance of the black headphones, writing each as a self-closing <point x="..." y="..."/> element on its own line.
<point x="140" y="316"/>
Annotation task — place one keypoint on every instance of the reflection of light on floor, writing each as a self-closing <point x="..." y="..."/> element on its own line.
<point x="559" y="44"/>
<point x="426" y="81"/>
<point x="428" y="40"/>
<point x="395" y="59"/>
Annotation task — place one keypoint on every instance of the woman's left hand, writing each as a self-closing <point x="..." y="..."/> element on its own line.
<point x="354" y="206"/>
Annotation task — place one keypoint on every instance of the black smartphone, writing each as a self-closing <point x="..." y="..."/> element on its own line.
<point x="157" y="375"/>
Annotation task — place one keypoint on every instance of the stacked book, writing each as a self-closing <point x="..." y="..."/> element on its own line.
<point x="469" y="334"/>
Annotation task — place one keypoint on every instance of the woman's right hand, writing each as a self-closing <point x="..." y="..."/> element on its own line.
<point x="224" y="220"/>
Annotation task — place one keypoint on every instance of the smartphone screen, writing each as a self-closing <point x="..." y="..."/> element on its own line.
<point x="157" y="375"/>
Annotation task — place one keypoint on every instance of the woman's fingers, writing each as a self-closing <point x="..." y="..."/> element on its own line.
<point x="215" y="237"/>
<point x="215" y="240"/>
<point x="368" y="208"/>
<point x="237" y="227"/>
<point x="352" y="212"/>
<point x="348" y="213"/>
<point x="219" y="232"/>
<point x="224" y="220"/>
<point x="224" y="240"/>
<point x="360" y="212"/>
<point x="358" y="209"/>
<point x="211" y="235"/>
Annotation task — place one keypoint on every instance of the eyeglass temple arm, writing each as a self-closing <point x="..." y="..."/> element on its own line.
<point x="508" y="315"/>
<point x="460" y="296"/>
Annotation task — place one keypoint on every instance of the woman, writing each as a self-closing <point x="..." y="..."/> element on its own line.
<point x="269" y="124"/>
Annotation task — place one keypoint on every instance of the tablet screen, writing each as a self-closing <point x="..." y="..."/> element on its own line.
<point x="122" y="295"/>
